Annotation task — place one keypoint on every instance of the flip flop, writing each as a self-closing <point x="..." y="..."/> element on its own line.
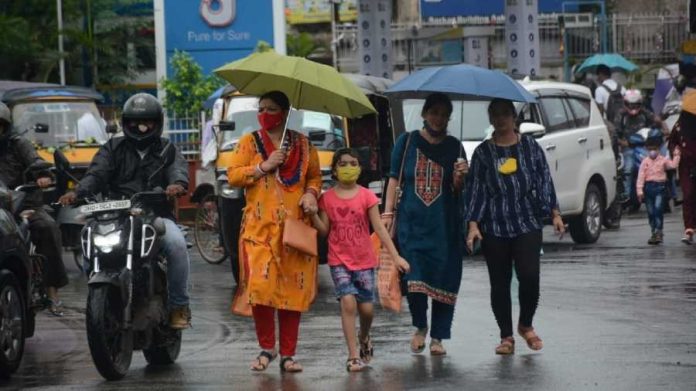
<point x="260" y="366"/>
<point x="354" y="365"/>
<point x="292" y="368"/>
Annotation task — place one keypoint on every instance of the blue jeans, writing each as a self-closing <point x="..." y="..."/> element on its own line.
<point x="654" y="202"/>
<point x="441" y="317"/>
<point x="629" y="181"/>
<point x="178" y="264"/>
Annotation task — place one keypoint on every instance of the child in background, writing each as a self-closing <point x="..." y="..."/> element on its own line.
<point x="345" y="212"/>
<point x="652" y="179"/>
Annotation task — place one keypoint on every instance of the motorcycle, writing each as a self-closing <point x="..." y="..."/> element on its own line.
<point x="127" y="301"/>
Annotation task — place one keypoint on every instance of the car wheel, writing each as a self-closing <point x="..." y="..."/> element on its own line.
<point x="12" y="323"/>
<point x="587" y="227"/>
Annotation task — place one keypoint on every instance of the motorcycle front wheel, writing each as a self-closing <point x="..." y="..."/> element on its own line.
<point x="165" y="348"/>
<point x="111" y="346"/>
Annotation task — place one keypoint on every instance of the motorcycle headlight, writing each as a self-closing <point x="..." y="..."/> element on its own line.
<point x="106" y="243"/>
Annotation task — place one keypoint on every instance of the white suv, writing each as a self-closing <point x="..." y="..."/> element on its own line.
<point x="569" y="127"/>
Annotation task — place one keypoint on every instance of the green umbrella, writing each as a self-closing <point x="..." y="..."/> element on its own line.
<point x="308" y="85"/>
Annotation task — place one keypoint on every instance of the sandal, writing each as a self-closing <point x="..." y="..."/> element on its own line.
<point x="366" y="349"/>
<point x="292" y="368"/>
<point x="354" y="365"/>
<point x="506" y="347"/>
<point x="418" y="340"/>
<point x="261" y="366"/>
<point x="533" y="340"/>
<point x="55" y="307"/>
<point x="436" y="348"/>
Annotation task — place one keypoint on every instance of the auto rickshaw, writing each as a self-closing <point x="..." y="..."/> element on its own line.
<point x="220" y="205"/>
<point x="65" y="118"/>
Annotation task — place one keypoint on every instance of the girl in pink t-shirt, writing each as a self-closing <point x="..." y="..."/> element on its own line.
<point x="345" y="214"/>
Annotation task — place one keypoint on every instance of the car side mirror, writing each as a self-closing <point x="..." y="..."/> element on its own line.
<point x="112" y="128"/>
<point x="40" y="128"/>
<point x="533" y="129"/>
<point x="227" y="126"/>
<point x="317" y="135"/>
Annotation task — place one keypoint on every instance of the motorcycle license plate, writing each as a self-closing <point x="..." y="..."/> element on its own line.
<point x="105" y="206"/>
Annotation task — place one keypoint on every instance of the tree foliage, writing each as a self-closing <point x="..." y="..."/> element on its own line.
<point x="188" y="88"/>
<point x="99" y="41"/>
<point x="300" y="45"/>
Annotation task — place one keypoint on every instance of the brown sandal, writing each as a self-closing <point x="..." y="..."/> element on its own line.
<point x="506" y="347"/>
<point x="418" y="340"/>
<point x="532" y="339"/>
<point x="436" y="348"/>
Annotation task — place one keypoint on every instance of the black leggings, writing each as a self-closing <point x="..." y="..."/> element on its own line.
<point x="500" y="253"/>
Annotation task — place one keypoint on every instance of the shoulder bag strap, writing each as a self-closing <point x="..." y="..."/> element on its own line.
<point x="400" y="189"/>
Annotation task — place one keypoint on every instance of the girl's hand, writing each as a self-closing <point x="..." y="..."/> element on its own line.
<point x="559" y="226"/>
<point x="473" y="236"/>
<point x="402" y="265"/>
<point x="387" y="220"/>
<point x="308" y="203"/>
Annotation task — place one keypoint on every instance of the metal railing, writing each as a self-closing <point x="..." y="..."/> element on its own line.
<point x="645" y="38"/>
<point x="185" y="133"/>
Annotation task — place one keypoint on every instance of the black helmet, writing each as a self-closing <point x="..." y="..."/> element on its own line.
<point x="139" y="111"/>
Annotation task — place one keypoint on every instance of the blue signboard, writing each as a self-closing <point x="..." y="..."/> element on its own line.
<point x="216" y="32"/>
<point x="454" y="8"/>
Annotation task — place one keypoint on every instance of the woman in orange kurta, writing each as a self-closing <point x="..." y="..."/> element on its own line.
<point x="279" y="182"/>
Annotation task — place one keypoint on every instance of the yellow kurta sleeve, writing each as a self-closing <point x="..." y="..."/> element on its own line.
<point x="242" y="168"/>
<point x="313" y="171"/>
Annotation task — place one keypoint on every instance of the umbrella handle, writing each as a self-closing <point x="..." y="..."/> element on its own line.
<point x="285" y="128"/>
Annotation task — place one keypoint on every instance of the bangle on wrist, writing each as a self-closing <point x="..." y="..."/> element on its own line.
<point x="387" y="214"/>
<point x="260" y="170"/>
<point x="311" y="191"/>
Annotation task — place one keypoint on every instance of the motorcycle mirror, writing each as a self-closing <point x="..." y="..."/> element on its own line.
<point x="40" y="128"/>
<point x="227" y="126"/>
<point x="112" y="128"/>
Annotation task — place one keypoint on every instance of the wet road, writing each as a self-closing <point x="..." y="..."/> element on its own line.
<point x="616" y="315"/>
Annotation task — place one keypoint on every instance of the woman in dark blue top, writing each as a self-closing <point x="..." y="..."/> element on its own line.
<point x="428" y="224"/>
<point x="510" y="193"/>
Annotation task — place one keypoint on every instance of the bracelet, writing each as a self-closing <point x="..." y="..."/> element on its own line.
<point x="311" y="191"/>
<point x="388" y="214"/>
<point x="260" y="170"/>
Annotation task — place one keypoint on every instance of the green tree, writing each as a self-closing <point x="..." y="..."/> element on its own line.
<point x="300" y="45"/>
<point x="188" y="88"/>
<point x="96" y="35"/>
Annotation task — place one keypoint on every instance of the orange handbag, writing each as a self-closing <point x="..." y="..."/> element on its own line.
<point x="300" y="236"/>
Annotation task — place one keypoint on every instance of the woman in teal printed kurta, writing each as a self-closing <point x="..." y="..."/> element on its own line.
<point x="428" y="227"/>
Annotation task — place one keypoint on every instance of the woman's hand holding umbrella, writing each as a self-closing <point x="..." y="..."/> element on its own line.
<point x="276" y="159"/>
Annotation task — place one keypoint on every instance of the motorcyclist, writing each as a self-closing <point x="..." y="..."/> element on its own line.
<point x="632" y="118"/>
<point x="18" y="154"/>
<point x="123" y="166"/>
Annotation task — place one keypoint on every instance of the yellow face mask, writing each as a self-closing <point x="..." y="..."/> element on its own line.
<point x="348" y="174"/>
<point x="508" y="167"/>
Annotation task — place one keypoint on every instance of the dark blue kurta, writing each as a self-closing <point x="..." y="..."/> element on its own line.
<point x="428" y="216"/>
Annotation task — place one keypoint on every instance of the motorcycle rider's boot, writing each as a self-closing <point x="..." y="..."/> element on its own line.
<point x="180" y="318"/>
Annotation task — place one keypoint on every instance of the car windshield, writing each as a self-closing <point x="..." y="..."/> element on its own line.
<point x="468" y="122"/>
<point x="324" y="130"/>
<point x="68" y="122"/>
